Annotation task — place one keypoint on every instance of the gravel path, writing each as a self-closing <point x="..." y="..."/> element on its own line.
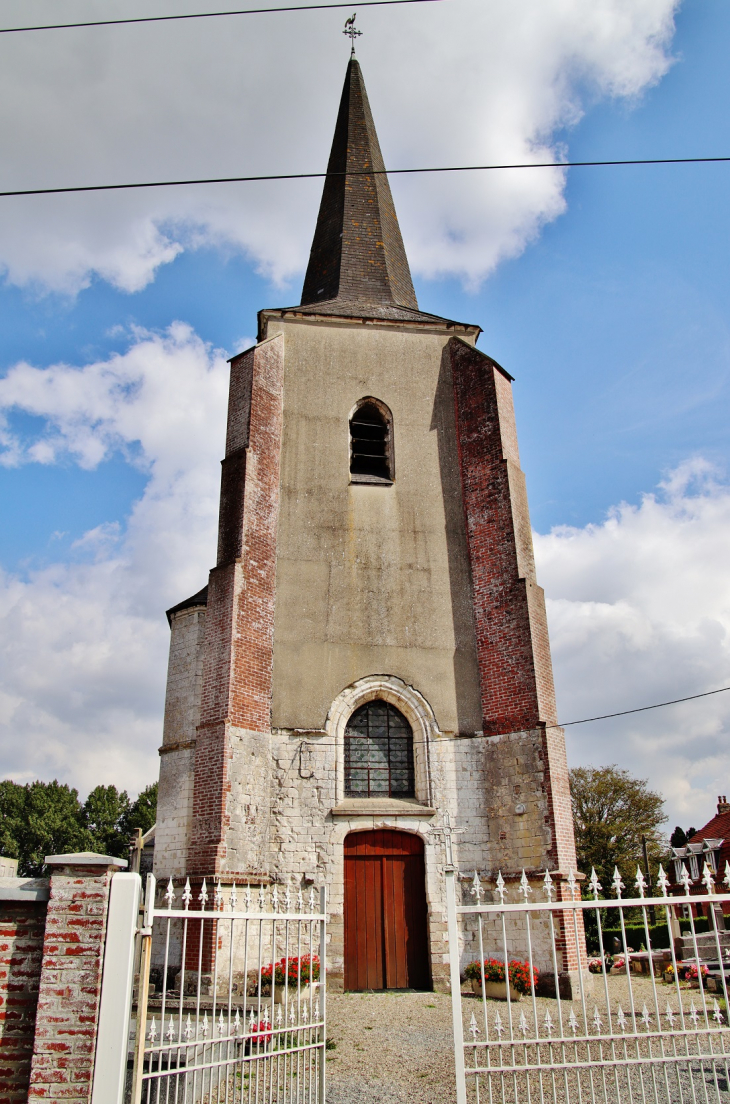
<point x="397" y="1048"/>
<point x="391" y="1048"/>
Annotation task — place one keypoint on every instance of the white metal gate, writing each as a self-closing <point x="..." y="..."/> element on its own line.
<point x="620" y="1036"/>
<point x="241" y="1012"/>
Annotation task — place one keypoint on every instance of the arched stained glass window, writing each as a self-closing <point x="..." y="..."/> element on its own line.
<point x="379" y="753"/>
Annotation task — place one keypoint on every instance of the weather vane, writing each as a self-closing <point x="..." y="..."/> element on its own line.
<point x="351" y="32"/>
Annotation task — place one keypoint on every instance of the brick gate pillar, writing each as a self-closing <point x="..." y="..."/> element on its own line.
<point x="70" y="985"/>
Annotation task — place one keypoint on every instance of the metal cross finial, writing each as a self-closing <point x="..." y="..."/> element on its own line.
<point x="351" y="32"/>
<point x="447" y="832"/>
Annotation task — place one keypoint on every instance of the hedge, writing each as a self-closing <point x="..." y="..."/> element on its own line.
<point x="636" y="937"/>
<point x="658" y="933"/>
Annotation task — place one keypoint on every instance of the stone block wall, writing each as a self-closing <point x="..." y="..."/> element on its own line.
<point x="182" y="713"/>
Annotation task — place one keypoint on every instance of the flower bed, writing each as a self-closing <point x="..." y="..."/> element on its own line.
<point x="596" y="965"/>
<point x="292" y="971"/>
<point x="519" y="973"/>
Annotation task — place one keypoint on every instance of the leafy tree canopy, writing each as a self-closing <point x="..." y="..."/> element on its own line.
<point x="612" y="810"/>
<point x="47" y="818"/>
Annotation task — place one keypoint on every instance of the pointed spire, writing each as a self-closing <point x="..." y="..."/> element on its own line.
<point x="357" y="253"/>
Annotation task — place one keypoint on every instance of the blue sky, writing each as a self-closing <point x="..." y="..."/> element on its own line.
<point x="614" y="317"/>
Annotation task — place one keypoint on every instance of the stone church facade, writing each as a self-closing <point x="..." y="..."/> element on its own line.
<point x="371" y="650"/>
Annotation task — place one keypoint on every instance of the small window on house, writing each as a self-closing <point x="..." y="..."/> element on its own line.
<point x="371" y="443"/>
<point x="379" y="753"/>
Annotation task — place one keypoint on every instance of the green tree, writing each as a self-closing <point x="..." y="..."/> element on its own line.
<point x="47" y="818"/>
<point x="142" y="812"/>
<point x="612" y="810"/>
<point x="105" y="812"/>
<point x="39" y="819"/>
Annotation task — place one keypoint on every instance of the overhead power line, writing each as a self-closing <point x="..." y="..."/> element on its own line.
<point x="209" y="15"/>
<point x="642" y="708"/>
<point x="567" y="724"/>
<point x="363" y="172"/>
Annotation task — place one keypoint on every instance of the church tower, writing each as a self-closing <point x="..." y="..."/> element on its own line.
<point x="371" y="651"/>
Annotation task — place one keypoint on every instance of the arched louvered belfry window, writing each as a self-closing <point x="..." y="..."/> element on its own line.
<point x="379" y="753"/>
<point x="371" y="443"/>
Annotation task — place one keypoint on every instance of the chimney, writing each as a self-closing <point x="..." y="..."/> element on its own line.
<point x="722" y="805"/>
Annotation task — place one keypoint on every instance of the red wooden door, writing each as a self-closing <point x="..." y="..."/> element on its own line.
<point x="386" y="917"/>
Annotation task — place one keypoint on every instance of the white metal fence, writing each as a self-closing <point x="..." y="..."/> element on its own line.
<point x="240" y="1015"/>
<point x="657" y="1036"/>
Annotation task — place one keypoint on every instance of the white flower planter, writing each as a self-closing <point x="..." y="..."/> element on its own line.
<point x="306" y="993"/>
<point x="497" y="990"/>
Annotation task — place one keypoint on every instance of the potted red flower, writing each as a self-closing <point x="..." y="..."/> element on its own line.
<point x="297" y="975"/>
<point x="521" y="978"/>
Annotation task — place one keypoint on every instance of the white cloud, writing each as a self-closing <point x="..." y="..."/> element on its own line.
<point x="449" y="84"/>
<point x="84" y="643"/>
<point x="639" y="612"/>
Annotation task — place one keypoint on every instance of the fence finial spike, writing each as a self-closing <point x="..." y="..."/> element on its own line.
<point x="571" y="883"/>
<point x="640" y="882"/>
<point x="662" y="880"/>
<point x="500" y="886"/>
<point x="525" y="887"/>
<point x="726" y="879"/>
<point x="473" y="1028"/>
<point x="203" y="896"/>
<point x="187" y="893"/>
<point x="686" y="881"/>
<point x="218" y="896"/>
<point x="617" y="882"/>
<point x="548" y="884"/>
<point x="170" y="894"/>
<point x="594" y="883"/>
<point x="707" y="879"/>
<point x="670" y="1014"/>
<point x="476" y="888"/>
<point x="233" y="898"/>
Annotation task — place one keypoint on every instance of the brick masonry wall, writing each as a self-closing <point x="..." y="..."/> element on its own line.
<point x="22" y="927"/>
<point x="237" y="665"/>
<point x="513" y="648"/>
<point x="70" y="986"/>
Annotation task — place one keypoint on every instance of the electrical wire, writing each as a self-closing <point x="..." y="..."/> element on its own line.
<point x="210" y="15"/>
<point x="361" y="172"/>
<point x="562" y="724"/>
